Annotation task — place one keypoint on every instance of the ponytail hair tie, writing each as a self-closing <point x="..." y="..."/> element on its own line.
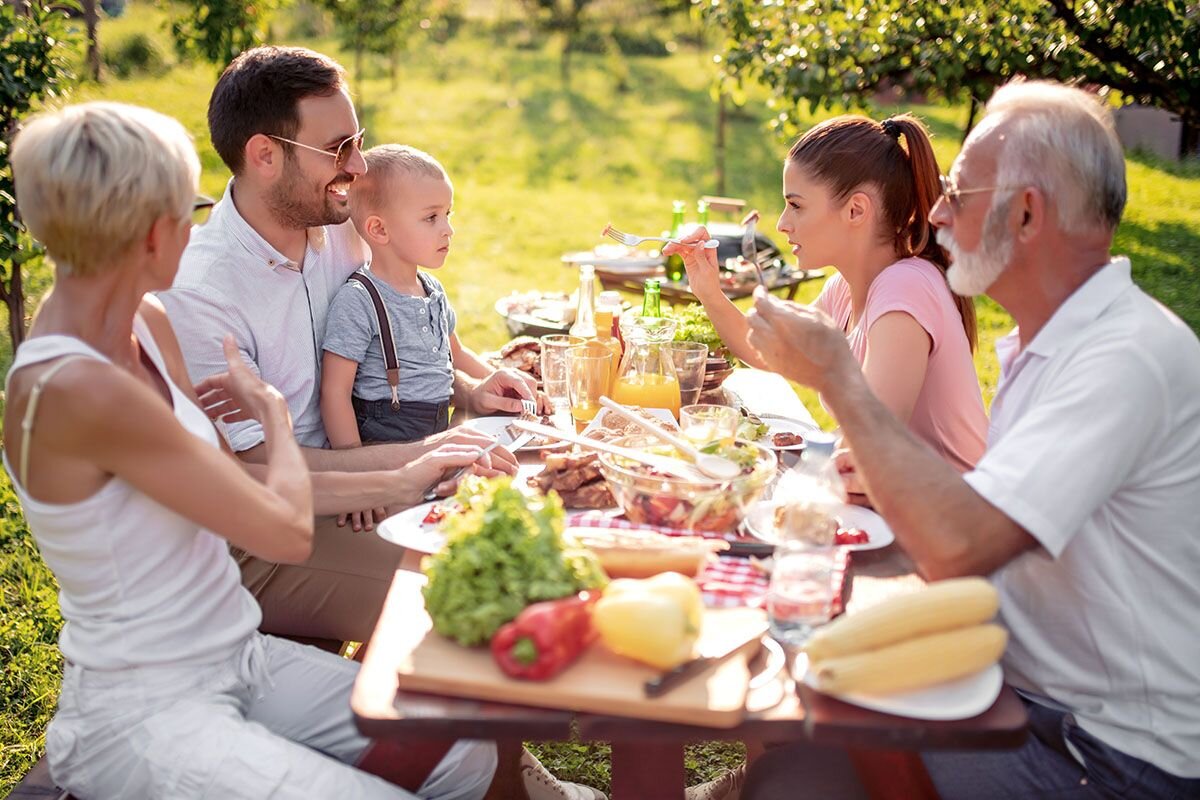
<point x="891" y="128"/>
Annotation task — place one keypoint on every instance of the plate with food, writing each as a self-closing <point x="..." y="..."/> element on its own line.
<point x="501" y="426"/>
<point x="858" y="528"/>
<point x="418" y="528"/>
<point x="617" y="259"/>
<point x="536" y="313"/>
<point x="784" y="434"/>
<point x="608" y="426"/>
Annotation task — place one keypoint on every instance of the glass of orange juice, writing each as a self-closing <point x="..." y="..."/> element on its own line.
<point x="589" y="377"/>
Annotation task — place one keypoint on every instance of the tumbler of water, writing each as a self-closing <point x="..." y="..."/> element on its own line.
<point x="800" y="597"/>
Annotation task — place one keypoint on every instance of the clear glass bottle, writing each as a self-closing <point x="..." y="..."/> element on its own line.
<point x="585" y="311"/>
<point x="604" y="335"/>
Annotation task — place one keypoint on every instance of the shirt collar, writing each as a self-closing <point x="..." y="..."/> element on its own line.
<point x="226" y="215"/>
<point x="1083" y="306"/>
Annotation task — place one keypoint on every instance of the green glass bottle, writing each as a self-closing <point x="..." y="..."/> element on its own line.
<point x="702" y="212"/>
<point x="675" y="269"/>
<point x="652" y="298"/>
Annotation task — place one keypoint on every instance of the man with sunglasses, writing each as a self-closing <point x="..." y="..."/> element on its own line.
<point x="1082" y="511"/>
<point x="265" y="267"/>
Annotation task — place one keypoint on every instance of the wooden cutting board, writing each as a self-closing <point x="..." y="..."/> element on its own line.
<point x="599" y="682"/>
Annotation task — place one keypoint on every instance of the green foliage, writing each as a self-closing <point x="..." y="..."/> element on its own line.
<point x="34" y="48"/>
<point x="29" y="625"/>
<point x="217" y="30"/>
<point x="837" y="52"/>
<point x="133" y="54"/>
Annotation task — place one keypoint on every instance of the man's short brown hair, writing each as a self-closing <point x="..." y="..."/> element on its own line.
<point x="259" y="92"/>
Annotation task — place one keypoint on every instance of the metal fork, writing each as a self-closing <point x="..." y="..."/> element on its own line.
<point x="529" y="409"/>
<point x="750" y="246"/>
<point x="629" y="240"/>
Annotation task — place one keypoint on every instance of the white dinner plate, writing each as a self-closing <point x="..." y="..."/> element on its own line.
<point x="760" y="523"/>
<point x="498" y="426"/>
<point x="958" y="699"/>
<point x="637" y="262"/>
<point x="409" y="529"/>
<point x="784" y="425"/>
<point x="661" y="414"/>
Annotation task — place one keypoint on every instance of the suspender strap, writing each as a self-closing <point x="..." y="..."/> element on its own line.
<point x="386" y="338"/>
<point x="31" y="412"/>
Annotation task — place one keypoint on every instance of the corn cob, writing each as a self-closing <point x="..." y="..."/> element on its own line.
<point x="914" y="664"/>
<point x="940" y="606"/>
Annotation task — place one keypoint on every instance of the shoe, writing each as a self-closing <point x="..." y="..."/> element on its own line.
<point x="541" y="785"/>
<point x="726" y="787"/>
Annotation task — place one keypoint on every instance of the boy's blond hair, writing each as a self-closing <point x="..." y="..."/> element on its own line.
<point x="92" y="178"/>
<point x="387" y="163"/>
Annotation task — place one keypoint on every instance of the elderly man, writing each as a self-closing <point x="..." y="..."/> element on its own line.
<point x="266" y="267"/>
<point x="1084" y="509"/>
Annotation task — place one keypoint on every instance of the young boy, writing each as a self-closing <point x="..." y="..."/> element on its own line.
<point x="401" y="208"/>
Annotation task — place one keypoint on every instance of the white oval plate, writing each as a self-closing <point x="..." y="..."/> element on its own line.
<point x="781" y="425"/>
<point x="958" y="699"/>
<point x="497" y="426"/>
<point x="760" y="523"/>
<point x="661" y="414"/>
<point x="409" y="529"/>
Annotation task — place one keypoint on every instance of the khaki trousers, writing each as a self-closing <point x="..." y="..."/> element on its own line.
<point x="337" y="593"/>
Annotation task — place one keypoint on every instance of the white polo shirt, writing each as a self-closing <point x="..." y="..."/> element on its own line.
<point x="1094" y="448"/>
<point x="232" y="281"/>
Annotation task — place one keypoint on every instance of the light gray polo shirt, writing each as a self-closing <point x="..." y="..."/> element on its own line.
<point x="421" y="329"/>
<point x="1094" y="448"/>
<point x="231" y="280"/>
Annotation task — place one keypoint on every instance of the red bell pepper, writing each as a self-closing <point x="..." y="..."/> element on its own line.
<point x="546" y="637"/>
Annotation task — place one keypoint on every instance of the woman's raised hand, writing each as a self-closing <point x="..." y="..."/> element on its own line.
<point x="238" y="394"/>
<point x="701" y="262"/>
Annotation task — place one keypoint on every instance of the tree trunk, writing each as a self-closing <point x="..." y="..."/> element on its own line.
<point x="14" y="297"/>
<point x="972" y="110"/>
<point x="91" y="16"/>
<point x="722" y="119"/>
<point x="564" y="64"/>
<point x="394" y="66"/>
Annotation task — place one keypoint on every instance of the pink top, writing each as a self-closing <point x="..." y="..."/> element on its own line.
<point x="948" y="414"/>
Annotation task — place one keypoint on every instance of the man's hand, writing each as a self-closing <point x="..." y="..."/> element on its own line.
<point x="799" y="342"/>
<point x="498" y="458"/>
<point x="362" y="520"/>
<point x="440" y="465"/>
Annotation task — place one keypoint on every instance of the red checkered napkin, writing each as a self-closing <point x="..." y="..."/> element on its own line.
<point x="727" y="582"/>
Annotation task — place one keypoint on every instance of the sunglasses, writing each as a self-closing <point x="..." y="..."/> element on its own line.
<point x="201" y="208"/>
<point x="341" y="154"/>
<point x="953" y="194"/>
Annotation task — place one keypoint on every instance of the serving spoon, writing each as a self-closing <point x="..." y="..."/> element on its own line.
<point x="714" y="466"/>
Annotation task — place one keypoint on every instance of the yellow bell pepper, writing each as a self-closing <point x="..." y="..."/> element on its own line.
<point x="655" y="621"/>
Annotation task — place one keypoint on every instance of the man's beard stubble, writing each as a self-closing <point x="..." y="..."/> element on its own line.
<point x="293" y="204"/>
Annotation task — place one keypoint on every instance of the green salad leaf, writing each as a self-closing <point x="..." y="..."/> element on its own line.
<point x="695" y="326"/>
<point x="504" y="552"/>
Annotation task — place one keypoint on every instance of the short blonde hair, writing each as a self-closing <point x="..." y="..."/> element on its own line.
<point x="387" y="163"/>
<point x="1062" y="140"/>
<point x="92" y="178"/>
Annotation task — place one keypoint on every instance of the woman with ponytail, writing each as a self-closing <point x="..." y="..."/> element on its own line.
<point x="858" y="195"/>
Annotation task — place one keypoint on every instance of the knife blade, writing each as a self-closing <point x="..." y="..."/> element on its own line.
<point x="750" y="246"/>
<point x="714" y="654"/>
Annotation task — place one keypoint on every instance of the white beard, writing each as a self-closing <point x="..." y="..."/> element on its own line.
<point x="972" y="274"/>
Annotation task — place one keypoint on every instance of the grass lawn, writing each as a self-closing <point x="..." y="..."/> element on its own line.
<point x="538" y="171"/>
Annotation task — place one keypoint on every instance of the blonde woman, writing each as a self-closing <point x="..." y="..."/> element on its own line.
<point x="132" y="496"/>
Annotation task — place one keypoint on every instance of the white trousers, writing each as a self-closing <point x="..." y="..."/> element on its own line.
<point x="272" y="722"/>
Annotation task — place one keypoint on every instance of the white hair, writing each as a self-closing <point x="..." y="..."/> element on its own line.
<point x="1062" y="140"/>
<point x="93" y="178"/>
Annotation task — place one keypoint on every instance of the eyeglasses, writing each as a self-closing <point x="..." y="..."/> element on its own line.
<point x="344" y="149"/>
<point x="201" y="208"/>
<point x="954" y="195"/>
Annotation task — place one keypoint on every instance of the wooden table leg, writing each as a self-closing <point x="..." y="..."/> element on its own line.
<point x="647" y="769"/>
<point x="507" y="783"/>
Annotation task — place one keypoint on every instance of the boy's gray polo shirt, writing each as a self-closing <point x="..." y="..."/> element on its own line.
<point x="421" y="327"/>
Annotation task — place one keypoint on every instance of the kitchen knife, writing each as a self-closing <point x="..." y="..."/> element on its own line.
<point x="713" y="653"/>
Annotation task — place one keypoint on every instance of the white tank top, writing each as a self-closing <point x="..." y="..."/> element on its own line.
<point x="139" y="584"/>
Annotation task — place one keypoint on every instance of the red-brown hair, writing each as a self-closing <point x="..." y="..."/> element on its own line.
<point x="848" y="152"/>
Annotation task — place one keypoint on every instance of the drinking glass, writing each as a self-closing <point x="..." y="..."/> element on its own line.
<point x="690" y="359"/>
<point x="589" y="377"/>
<point x="554" y="367"/>
<point x="704" y="424"/>
<point x="800" y="596"/>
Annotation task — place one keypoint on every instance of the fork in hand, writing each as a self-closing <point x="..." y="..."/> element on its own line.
<point x="629" y="240"/>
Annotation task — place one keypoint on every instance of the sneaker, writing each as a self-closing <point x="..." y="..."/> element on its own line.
<point x="541" y="785"/>
<point x="726" y="787"/>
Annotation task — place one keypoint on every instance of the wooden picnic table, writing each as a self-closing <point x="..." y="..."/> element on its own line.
<point x="647" y="756"/>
